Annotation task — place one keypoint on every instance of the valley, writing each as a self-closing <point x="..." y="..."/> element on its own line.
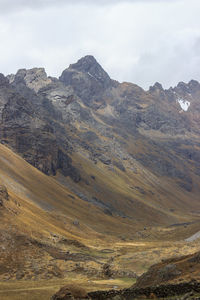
<point x="99" y="180"/>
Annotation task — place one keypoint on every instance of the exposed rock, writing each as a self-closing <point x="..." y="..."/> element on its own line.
<point x="169" y="272"/>
<point x="3" y="80"/>
<point x="63" y="294"/>
<point x="70" y="293"/>
<point x="87" y="78"/>
<point x="106" y="270"/>
<point x="3" y="194"/>
<point x="65" y="164"/>
<point x="156" y="86"/>
<point x="119" y="165"/>
<point x="89" y="65"/>
<point x="185" y="290"/>
<point x="76" y="223"/>
<point x="28" y="126"/>
<point x="90" y="136"/>
<point x="35" y="78"/>
<point x="104" y="159"/>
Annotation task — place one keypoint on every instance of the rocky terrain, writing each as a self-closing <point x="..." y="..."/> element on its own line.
<point x="152" y="136"/>
<point x="172" y="278"/>
<point x="179" y="269"/>
<point x="190" y="290"/>
<point x="98" y="179"/>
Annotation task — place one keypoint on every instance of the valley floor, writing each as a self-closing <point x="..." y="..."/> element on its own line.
<point x="43" y="290"/>
<point x="126" y="256"/>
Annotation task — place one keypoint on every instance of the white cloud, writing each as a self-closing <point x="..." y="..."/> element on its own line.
<point x="139" y="41"/>
<point x="9" y="5"/>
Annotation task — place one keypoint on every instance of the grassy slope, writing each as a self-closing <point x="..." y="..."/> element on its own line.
<point x="162" y="201"/>
<point x="174" y="270"/>
<point x="40" y="208"/>
<point x="43" y="200"/>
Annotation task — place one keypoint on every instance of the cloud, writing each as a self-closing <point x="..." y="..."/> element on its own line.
<point x="16" y="5"/>
<point x="139" y="41"/>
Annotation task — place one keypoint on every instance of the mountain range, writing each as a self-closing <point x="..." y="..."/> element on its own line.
<point x="86" y="159"/>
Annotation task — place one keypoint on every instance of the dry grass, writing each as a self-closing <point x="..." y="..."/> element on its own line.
<point x="29" y="290"/>
<point x="42" y="211"/>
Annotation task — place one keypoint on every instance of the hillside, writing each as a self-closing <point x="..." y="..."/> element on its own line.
<point x="98" y="179"/>
<point x="49" y="236"/>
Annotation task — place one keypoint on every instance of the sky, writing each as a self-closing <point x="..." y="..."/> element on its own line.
<point x="140" y="41"/>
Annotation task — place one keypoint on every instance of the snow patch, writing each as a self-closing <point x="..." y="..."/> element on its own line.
<point x="91" y="75"/>
<point x="184" y="104"/>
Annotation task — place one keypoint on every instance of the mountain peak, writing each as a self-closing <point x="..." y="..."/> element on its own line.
<point x="88" y="79"/>
<point x="3" y="80"/>
<point x="158" y="86"/>
<point x="84" y="64"/>
<point x="89" y="65"/>
<point x="32" y="74"/>
<point x="193" y="84"/>
<point x="188" y="88"/>
<point x="35" y="78"/>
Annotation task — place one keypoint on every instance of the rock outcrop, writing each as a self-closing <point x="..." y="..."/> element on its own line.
<point x="175" y="269"/>
<point x="70" y="293"/>
<point x="31" y="125"/>
<point x="3" y="194"/>
<point x="186" y="289"/>
<point x="88" y="79"/>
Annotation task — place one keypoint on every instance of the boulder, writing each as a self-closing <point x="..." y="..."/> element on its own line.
<point x="70" y="293"/>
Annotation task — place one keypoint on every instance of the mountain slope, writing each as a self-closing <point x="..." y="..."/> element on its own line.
<point x="93" y="171"/>
<point x="126" y="150"/>
<point x="46" y="230"/>
<point x="30" y="190"/>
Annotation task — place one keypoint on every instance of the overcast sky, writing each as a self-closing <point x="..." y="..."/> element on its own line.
<point x="142" y="41"/>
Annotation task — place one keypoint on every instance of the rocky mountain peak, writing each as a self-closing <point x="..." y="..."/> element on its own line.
<point x="156" y="86"/>
<point x="3" y="80"/>
<point x="182" y="86"/>
<point x="190" y="88"/>
<point x="89" y="66"/>
<point x="157" y="91"/>
<point x="88" y="79"/>
<point x="194" y="85"/>
<point x="35" y="78"/>
<point x="84" y="64"/>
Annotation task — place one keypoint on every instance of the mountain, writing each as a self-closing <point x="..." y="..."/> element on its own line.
<point x="92" y="166"/>
<point x="45" y="229"/>
<point x="99" y="132"/>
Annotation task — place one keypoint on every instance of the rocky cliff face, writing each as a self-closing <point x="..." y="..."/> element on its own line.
<point x="88" y="80"/>
<point x="50" y="121"/>
<point x="30" y="125"/>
